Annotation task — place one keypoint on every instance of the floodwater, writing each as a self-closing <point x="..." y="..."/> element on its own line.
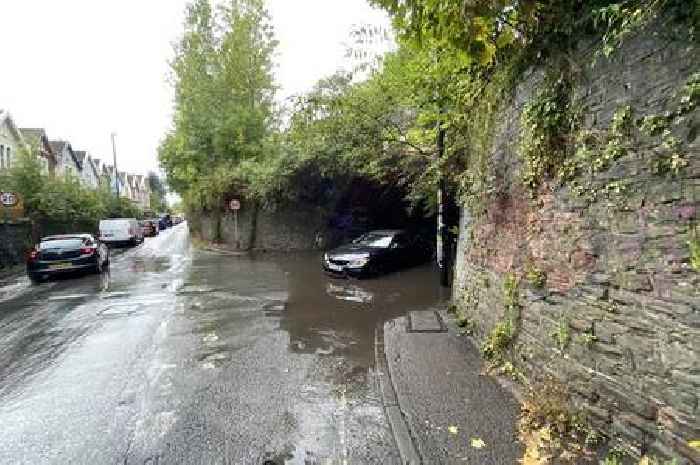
<point x="193" y="357"/>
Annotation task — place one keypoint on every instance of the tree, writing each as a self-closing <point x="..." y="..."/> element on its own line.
<point x="157" y="192"/>
<point x="224" y="110"/>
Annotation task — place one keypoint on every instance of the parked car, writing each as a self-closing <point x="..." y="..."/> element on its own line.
<point x="165" y="221"/>
<point x="149" y="228"/>
<point x="116" y="231"/>
<point x="376" y="252"/>
<point x="177" y="220"/>
<point x="55" y="255"/>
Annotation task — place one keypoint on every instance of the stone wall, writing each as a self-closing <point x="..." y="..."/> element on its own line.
<point x="618" y="317"/>
<point x="15" y="239"/>
<point x="282" y="229"/>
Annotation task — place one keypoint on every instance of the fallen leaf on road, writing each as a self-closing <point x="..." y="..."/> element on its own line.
<point x="477" y="443"/>
<point x="452" y="429"/>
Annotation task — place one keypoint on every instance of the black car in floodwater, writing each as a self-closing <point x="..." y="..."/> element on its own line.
<point x="66" y="253"/>
<point x="376" y="252"/>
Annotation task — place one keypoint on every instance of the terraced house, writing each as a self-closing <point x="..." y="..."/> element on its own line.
<point x="66" y="161"/>
<point x="88" y="172"/>
<point x="39" y="144"/>
<point x="10" y="140"/>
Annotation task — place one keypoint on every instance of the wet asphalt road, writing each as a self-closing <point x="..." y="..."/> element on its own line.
<point x="182" y="356"/>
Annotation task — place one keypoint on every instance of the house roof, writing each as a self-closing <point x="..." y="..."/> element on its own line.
<point x="34" y="135"/>
<point x="60" y="145"/>
<point x="80" y="155"/>
<point x="5" y="117"/>
<point x="95" y="163"/>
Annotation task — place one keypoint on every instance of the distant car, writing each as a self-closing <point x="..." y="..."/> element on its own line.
<point x="116" y="231"/>
<point x="376" y="252"/>
<point x="165" y="221"/>
<point x="55" y="255"/>
<point x="177" y="220"/>
<point x="149" y="228"/>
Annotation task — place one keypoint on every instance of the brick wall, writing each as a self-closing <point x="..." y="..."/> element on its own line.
<point x="618" y="278"/>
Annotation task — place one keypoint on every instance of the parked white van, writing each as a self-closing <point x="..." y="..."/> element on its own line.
<point x="121" y="231"/>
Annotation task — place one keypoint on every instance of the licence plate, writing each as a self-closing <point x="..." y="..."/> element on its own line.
<point x="60" y="265"/>
<point x="333" y="267"/>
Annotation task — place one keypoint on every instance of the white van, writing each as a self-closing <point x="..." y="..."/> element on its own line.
<point x="121" y="231"/>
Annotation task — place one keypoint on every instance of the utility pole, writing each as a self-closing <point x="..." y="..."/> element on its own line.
<point x="443" y="241"/>
<point x="116" y="171"/>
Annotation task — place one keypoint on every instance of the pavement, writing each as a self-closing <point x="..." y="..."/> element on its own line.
<point x="442" y="409"/>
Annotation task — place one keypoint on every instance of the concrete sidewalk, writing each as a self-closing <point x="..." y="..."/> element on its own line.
<point x="442" y="410"/>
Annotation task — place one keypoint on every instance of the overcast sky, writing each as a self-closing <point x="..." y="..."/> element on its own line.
<point x="84" y="68"/>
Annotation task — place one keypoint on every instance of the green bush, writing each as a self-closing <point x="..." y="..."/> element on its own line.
<point x="51" y="200"/>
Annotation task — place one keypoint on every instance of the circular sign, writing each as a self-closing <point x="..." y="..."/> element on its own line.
<point x="234" y="204"/>
<point x="9" y="199"/>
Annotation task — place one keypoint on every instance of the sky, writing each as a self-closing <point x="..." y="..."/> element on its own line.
<point x="83" y="69"/>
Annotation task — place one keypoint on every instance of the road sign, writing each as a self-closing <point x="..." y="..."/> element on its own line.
<point x="9" y="199"/>
<point x="235" y="205"/>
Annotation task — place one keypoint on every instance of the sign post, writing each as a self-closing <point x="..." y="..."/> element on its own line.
<point x="235" y="205"/>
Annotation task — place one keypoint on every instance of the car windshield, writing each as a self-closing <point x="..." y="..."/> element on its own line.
<point x="374" y="240"/>
<point x="75" y="242"/>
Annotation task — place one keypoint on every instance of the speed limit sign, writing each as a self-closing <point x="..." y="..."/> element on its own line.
<point x="9" y="199"/>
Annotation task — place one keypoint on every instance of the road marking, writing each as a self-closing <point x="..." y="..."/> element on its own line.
<point x="68" y="297"/>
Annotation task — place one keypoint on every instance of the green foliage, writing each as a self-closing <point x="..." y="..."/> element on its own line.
<point x="504" y="332"/>
<point x="586" y="338"/>
<point x="694" y="246"/>
<point x="510" y="291"/>
<point x="614" y="457"/>
<point x="222" y="73"/>
<point x="498" y="340"/>
<point x="546" y="123"/>
<point x="547" y="404"/>
<point x="535" y="276"/>
<point x="653" y="125"/>
<point x="157" y="193"/>
<point x="672" y="160"/>
<point x="61" y="199"/>
<point x="561" y="334"/>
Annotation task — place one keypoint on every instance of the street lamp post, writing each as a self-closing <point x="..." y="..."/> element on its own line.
<point x="116" y="171"/>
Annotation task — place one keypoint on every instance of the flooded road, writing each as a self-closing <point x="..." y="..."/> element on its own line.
<point x="193" y="357"/>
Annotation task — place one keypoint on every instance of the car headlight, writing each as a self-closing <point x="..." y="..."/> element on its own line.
<point x="325" y="257"/>
<point x="359" y="262"/>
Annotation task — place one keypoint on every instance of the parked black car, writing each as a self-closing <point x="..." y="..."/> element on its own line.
<point x="165" y="222"/>
<point x="68" y="253"/>
<point x="376" y="252"/>
<point x="150" y="228"/>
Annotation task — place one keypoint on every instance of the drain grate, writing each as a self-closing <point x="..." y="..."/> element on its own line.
<point x="425" y="322"/>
